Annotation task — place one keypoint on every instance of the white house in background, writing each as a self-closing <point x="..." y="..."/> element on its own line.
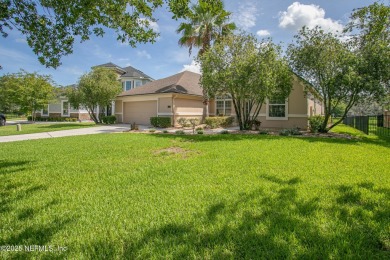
<point x="129" y="76"/>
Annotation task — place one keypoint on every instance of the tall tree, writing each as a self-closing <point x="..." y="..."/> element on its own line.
<point x="207" y="23"/>
<point x="96" y="88"/>
<point x="333" y="67"/>
<point x="369" y="28"/>
<point x="29" y="91"/>
<point x="52" y="26"/>
<point x="249" y="71"/>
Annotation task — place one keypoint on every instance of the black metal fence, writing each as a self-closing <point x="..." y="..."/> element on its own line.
<point x="378" y="125"/>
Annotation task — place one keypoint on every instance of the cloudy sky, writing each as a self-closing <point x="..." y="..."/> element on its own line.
<point x="279" y="19"/>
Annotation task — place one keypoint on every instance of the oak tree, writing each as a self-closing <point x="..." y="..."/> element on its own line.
<point x="247" y="70"/>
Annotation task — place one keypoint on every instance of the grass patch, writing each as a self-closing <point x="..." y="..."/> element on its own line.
<point x="233" y="196"/>
<point x="41" y="128"/>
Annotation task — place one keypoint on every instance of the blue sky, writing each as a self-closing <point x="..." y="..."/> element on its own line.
<point x="279" y="19"/>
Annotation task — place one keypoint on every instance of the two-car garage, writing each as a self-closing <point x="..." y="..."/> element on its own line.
<point x="139" y="112"/>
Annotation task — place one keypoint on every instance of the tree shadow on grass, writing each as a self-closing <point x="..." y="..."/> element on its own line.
<point x="8" y="166"/>
<point x="365" y="210"/>
<point x="381" y="141"/>
<point x="269" y="224"/>
<point x="31" y="224"/>
<point x="240" y="137"/>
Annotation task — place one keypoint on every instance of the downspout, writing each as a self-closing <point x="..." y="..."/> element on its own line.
<point x="173" y="110"/>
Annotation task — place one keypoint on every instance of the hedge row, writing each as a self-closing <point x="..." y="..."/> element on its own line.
<point x="219" y="121"/>
<point x="53" y="119"/>
<point x="162" y="122"/>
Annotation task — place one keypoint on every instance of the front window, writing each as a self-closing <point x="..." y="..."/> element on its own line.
<point x="277" y="107"/>
<point x="224" y="105"/>
<point x="128" y="85"/>
<point x="137" y="83"/>
<point x="45" y="110"/>
<point x="65" y="108"/>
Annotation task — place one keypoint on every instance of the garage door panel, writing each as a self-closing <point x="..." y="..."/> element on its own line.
<point x="139" y="112"/>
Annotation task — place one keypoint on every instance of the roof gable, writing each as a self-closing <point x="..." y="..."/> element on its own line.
<point x="133" y="72"/>
<point x="184" y="82"/>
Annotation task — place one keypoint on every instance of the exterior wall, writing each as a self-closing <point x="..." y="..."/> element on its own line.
<point x="297" y="108"/>
<point x="291" y="122"/>
<point x="54" y="114"/>
<point x="297" y="101"/>
<point x="314" y="106"/>
<point x="188" y="106"/>
<point x="132" y="79"/>
<point x="165" y="105"/>
<point x="55" y="108"/>
<point x="119" y="111"/>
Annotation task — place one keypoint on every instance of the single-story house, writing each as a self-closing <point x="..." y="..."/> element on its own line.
<point x="180" y="95"/>
<point x="129" y="76"/>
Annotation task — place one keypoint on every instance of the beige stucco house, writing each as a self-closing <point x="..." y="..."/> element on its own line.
<point x="129" y="76"/>
<point x="180" y="95"/>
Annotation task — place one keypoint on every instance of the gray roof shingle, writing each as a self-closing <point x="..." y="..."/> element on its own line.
<point x="185" y="82"/>
<point x="133" y="72"/>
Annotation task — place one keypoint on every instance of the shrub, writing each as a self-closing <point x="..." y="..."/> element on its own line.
<point x="315" y="123"/>
<point x="223" y="121"/>
<point x="53" y="119"/>
<point x="256" y="123"/>
<point x="224" y="132"/>
<point x="180" y="132"/>
<point x="182" y="122"/>
<point x="263" y="132"/>
<point x="108" y="119"/>
<point x="165" y="131"/>
<point x="295" y="131"/>
<point x="162" y="122"/>
<point x="194" y="122"/>
<point x="152" y="130"/>
<point x="292" y="131"/>
<point x="199" y="132"/>
<point x="285" y="132"/>
<point x="199" y="128"/>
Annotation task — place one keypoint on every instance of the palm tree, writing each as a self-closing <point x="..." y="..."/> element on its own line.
<point x="208" y="23"/>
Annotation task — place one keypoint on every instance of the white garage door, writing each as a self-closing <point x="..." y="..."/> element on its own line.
<point x="139" y="112"/>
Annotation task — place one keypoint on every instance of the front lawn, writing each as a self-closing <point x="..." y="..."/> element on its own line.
<point x="214" y="196"/>
<point x="41" y="128"/>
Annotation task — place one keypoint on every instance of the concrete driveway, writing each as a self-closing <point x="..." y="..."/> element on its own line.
<point x="73" y="132"/>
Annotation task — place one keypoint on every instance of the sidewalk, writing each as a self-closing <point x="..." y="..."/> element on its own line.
<point x="73" y="132"/>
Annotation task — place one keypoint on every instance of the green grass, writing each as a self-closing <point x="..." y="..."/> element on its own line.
<point x="220" y="197"/>
<point x="40" y="128"/>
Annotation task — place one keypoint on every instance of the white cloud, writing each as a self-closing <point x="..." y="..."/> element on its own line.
<point x="194" y="67"/>
<point x="144" y="54"/>
<point x="263" y="33"/>
<point x="245" y="18"/>
<point x="299" y="15"/>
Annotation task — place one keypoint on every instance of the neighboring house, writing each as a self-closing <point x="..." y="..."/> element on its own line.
<point x="61" y="108"/>
<point x="130" y="77"/>
<point x="180" y="95"/>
